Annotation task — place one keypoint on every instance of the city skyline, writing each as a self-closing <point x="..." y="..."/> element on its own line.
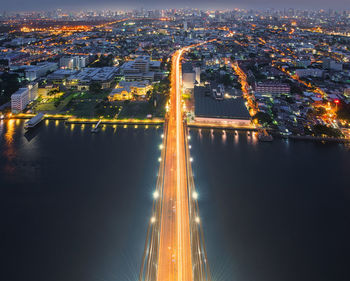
<point x="76" y="5"/>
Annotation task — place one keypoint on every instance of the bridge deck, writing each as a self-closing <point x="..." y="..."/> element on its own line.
<point x="175" y="247"/>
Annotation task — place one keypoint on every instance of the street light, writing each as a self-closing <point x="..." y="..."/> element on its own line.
<point x="156" y="194"/>
<point x="336" y="104"/>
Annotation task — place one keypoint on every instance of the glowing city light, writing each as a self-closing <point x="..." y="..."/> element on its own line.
<point x="156" y="194"/>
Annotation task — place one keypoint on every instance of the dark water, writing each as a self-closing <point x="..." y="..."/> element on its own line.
<point x="74" y="206"/>
<point x="273" y="211"/>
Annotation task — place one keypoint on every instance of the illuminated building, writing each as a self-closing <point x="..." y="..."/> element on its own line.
<point x="19" y="100"/>
<point x="272" y="88"/>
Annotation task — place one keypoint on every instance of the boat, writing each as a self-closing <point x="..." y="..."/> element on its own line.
<point x="34" y="121"/>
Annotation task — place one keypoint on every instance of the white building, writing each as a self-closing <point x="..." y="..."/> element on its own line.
<point x="33" y="72"/>
<point x="140" y="69"/>
<point x="142" y="63"/>
<point x="33" y="90"/>
<point x="188" y="80"/>
<point x="74" y="62"/>
<point x="188" y="76"/>
<point x="197" y="70"/>
<point x="19" y="100"/>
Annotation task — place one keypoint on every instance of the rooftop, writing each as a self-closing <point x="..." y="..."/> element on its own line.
<point x="207" y="106"/>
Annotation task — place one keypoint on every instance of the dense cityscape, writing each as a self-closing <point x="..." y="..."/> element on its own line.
<point x="99" y="106"/>
<point x="286" y="71"/>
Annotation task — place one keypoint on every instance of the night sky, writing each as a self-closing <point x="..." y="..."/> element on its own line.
<point x="25" y="5"/>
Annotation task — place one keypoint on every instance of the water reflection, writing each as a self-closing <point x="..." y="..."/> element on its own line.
<point x="224" y="137"/>
<point x="254" y="137"/>
<point x="9" y="151"/>
<point x="200" y="134"/>
<point x="236" y="137"/>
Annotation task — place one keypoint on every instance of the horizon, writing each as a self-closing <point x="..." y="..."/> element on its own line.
<point x="221" y="6"/>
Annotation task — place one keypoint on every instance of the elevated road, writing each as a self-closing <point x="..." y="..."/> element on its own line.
<point x="174" y="249"/>
<point x="174" y="261"/>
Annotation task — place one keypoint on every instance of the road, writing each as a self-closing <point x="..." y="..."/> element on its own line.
<point x="174" y="259"/>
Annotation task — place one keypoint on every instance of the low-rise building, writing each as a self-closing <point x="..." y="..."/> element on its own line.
<point x="72" y="62"/>
<point x="140" y="69"/>
<point x="81" y="80"/>
<point x="209" y="110"/>
<point x="33" y="72"/>
<point x="330" y="64"/>
<point x="129" y="90"/>
<point x="313" y="72"/>
<point x="271" y="88"/>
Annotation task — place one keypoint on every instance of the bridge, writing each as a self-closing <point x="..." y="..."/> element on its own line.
<point x="174" y="247"/>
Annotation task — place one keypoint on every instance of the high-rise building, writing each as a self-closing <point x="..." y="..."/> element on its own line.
<point x="19" y="100"/>
<point x="188" y="76"/>
<point x="185" y="25"/>
<point x="197" y="70"/>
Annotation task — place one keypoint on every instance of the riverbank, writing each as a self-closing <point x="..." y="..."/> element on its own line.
<point x="73" y="120"/>
<point x="160" y="121"/>
<point x="321" y="139"/>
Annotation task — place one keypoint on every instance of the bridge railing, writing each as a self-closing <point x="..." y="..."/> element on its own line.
<point x="149" y="263"/>
<point x="200" y="265"/>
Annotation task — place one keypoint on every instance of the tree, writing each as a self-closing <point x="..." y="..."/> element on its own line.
<point x="95" y="87"/>
<point x="263" y="118"/>
<point x="226" y="80"/>
<point x="325" y="130"/>
<point x="52" y="92"/>
<point x="8" y="85"/>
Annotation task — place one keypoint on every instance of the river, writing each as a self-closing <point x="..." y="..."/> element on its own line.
<point x="74" y="206"/>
